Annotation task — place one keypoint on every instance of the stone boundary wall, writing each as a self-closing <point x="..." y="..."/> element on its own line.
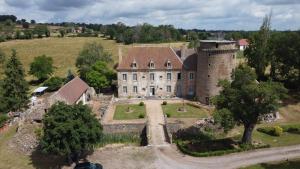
<point x="124" y="128"/>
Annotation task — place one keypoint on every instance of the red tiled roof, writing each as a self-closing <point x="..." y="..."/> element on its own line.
<point x="243" y="42"/>
<point x="73" y="90"/>
<point x="143" y="55"/>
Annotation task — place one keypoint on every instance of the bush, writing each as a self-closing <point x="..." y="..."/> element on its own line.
<point x="141" y="104"/>
<point x="277" y="131"/>
<point x="168" y="114"/>
<point x="272" y="131"/>
<point x="292" y="128"/>
<point x="141" y="116"/>
<point x="3" y="120"/>
<point x="54" y="83"/>
<point x="164" y="103"/>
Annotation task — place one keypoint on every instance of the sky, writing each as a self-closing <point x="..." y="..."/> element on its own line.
<point x="187" y="14"/>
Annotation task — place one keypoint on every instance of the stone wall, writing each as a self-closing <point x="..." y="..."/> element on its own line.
<point x="124" y="128"/>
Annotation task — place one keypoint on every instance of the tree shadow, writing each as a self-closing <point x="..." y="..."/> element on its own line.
<point x="292" y="98"/>
<point x="40" y="160"/>
<point x="36" y="82"/>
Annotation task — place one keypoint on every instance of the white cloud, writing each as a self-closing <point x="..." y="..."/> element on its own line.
<point x="202" y="14"/>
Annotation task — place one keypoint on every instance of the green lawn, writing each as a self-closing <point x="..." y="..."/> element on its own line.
<point x="136" y="111"/>
<point x="292" y="164"/>
<point x="191" y="112"/>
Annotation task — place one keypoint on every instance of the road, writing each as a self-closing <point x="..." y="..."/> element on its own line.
<point x="168" y="157"/>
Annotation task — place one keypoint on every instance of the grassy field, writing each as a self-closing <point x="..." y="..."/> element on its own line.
<point x="191" y="112"/>
<point x="134" y="112"/>
<point x="64" y="51"/>
<point x="291" y="164"/>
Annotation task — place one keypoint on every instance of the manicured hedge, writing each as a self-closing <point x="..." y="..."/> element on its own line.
<point x="291" y="128"/>
<point x="182" y="147"/>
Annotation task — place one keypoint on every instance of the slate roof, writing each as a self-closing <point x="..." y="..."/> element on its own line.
<point x="73" y="90"/>
<point x="142" y="56"/>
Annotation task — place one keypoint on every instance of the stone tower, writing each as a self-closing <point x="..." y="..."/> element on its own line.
<point x="216" y="60"/>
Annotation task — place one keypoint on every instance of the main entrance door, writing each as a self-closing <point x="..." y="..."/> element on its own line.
<point x="152" y="90"/>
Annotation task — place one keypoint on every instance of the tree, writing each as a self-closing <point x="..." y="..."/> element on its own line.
<point x="15" y="87"/>
<point x="54" y="83"/>
<point x="25" y="25"/>
<point x="89" y="55"/>
<point x="285" y="63"/>
<point x="100" y="76"/>
<point x="62" y="32"/>
<point x="41" y="67"/>
<point x="69" y="130"/>
<point x="32" y="21"/>
<point x="244" y="100"/>
<point x="257" y="53"/>
<point x="41" y="30"/>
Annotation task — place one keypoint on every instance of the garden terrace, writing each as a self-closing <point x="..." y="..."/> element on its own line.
<point x="129" y="112"/>
<point x="172" y="110"/>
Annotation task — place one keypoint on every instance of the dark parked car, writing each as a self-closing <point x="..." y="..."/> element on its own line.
<point x="88" y="165"/>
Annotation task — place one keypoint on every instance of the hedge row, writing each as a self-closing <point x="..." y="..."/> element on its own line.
<point x="181" y="146"/>
<point x="291" y="128"/>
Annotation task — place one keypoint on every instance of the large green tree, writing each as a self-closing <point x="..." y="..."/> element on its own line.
<point x="244" y="100"/>
<point x="285" y="63"/>
<point x="100" y="76"/>
<point x="41" y="67"/>
<point x="69" y="130"/>
<point x="89" y="55"/>
<point x="258" y="55"/>
<point x="15" y="87"/>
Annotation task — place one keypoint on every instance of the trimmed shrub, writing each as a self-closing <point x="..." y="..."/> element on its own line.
<point x="291" y="128"/>
<point x="3" y="119"/>
<point x="272" y="131"/>
<point x="164" y="103"/>
<point x="54" y="83"/>
<point x="141" y="104"/>
<point x="168" y="114"/>
<point x="278" y="131"/>
<point x="141" y="116"/>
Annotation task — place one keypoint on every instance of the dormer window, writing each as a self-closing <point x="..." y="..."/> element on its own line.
<point x="151" y="65"/>
<point x="134" y="65"/>
<point x="169" y="65"/>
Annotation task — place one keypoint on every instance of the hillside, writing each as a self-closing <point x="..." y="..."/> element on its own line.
<point x="64" y="51"/>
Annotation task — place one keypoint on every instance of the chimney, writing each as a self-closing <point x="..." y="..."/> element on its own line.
<point x="183" y="52"/>
<point x="120" y="54"/>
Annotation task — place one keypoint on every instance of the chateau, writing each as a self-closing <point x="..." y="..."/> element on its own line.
<point x="170" y="72"/>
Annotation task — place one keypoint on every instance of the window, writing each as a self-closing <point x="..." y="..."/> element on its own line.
<point x="124" y="76"/>
<point x="135" y="89"/>
<point x="169" y="76"/>
<point x="169" y="89"/>
<point x="191" y="76"/>
<point x="151" y="76"/>
<point x="179" y="76"/>
<point x="124" y="89"/>
<point x="169" y="64"/>
<point x="133" y="65"/>
<point x="217" y="45"/>
<point x="151" y="64"/>
<point x="134" y="77"/>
